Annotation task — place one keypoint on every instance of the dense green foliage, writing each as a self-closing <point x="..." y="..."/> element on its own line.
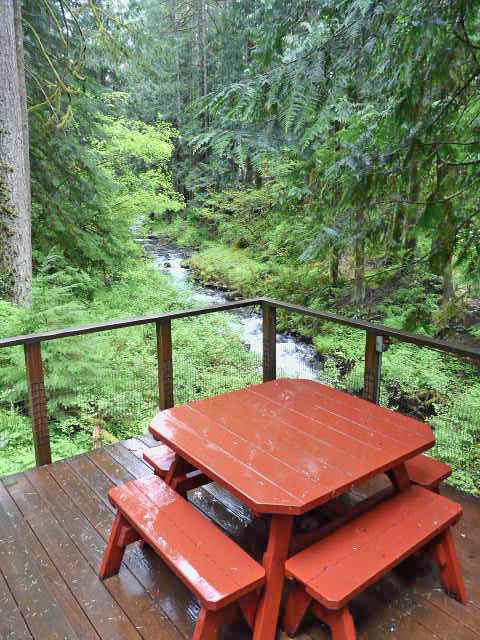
<point x="108" y="380"/>
<point x="323" y="152"/>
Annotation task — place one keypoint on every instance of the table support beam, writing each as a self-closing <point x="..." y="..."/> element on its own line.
<point x="273" y="561"/>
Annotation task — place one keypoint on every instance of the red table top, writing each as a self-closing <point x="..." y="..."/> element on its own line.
<point x="289" y="445"/>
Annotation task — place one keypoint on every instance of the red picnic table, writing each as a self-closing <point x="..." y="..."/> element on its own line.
<point x="284" y="448"/>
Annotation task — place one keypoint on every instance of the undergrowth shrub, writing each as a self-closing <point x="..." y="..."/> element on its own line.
<point x="107" y="382"/>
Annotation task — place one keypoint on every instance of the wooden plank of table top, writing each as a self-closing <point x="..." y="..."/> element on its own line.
<point x="262" y="417"/>
<point x="275" y="446"/>
<point x="305" y="453"/>
<point x="327" y="402"/>
<point x="52" y="576"/>
<point x="12" y="624"/>
<point x="258" y="491"/>
<point x="274" y="452"/>
<point x="173" y="597"/>
<point x="312" y="447"/>
<point x="40" y="609"/>
<point x="71" y="542"/>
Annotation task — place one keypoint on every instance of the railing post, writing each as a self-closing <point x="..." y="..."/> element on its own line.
<point x="38" y="403"/>
<point x="373" y="366"/>
<point x="269" y="342"/>
<point x="165" y="364"/>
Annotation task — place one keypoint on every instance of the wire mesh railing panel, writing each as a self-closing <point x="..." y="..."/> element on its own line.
<point x="16" y="441"/>
<point x="100" y="388"/>
<point x="220" y="361"/>
<point x="445" y="392"/>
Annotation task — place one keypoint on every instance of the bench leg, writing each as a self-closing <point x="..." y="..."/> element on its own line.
<point x="248" y="606"/>
<point x="208" y="625"/>
<point x="450" y="571"/>
<point x="340" y="622"/>
<point x="296" y="606"/>
<point x="121" y="535"/>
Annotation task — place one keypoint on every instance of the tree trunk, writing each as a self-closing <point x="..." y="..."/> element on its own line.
<point x="176" y="53"/>
<point x="398" y="228"/>
<point x="334" y="265"/>
<point x="359" y="288"/>
<point x="448" y="292"/>
<point x="249" y="170"/>
<point x="15" y="207"/>
<point x="202" y="46"/>
<point x="444" y="238"/>
<point x="411" y="218"/>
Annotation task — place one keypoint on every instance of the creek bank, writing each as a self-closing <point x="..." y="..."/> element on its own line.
<point x="298" y="354"/>
<point x="295" y="357"/>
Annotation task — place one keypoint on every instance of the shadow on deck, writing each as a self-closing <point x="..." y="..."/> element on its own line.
<point x="54" y="522"/>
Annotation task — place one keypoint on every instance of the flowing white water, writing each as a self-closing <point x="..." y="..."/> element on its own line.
<point x="294" y="357"/>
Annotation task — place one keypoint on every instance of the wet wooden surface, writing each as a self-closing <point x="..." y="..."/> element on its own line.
<point x="289" y="445"/>
<point x="207" y="560"/>
<point x="54" y="523"/>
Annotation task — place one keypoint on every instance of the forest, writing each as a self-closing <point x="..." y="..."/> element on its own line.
<point x="321" y="152"/>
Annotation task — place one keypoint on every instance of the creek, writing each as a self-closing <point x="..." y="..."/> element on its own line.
<point x="295" y="358"/>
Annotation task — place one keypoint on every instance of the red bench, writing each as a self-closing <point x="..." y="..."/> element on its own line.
<point x="161" y="459"/>
<point x="427" y="472"/>
<point x="212" y="565"/>
<point x="332" y="571"/>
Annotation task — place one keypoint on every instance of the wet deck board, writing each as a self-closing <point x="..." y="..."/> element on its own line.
<point x="54" y="522"/>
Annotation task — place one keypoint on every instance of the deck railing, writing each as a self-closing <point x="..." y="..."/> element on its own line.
<point x="374" y="346"/>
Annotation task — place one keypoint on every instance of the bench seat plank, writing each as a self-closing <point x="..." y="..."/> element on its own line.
<point x="344" y="563"/>
<point x="215" y="568"/>
<point x="427" y="471"/>
<point x="160" y="458"/>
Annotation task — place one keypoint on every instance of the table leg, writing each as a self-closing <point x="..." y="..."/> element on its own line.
<point x="399" y="477"/>
<point x="178" y="469"/>
<point x="273" y="560"/>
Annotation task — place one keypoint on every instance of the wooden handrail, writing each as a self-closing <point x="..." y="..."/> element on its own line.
<point x="380" y="330"/>
<point x="33" y="357"/>
<point x="54" y="334"/>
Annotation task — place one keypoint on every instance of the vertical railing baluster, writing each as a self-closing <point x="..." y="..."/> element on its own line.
<point x="165" y="364"/>
<point x="373" y="367"/>
<point x="269" y="342"/>
<point x="38" y="403"/>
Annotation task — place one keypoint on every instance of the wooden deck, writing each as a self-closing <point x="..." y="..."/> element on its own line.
<point x="54" y="522"/>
